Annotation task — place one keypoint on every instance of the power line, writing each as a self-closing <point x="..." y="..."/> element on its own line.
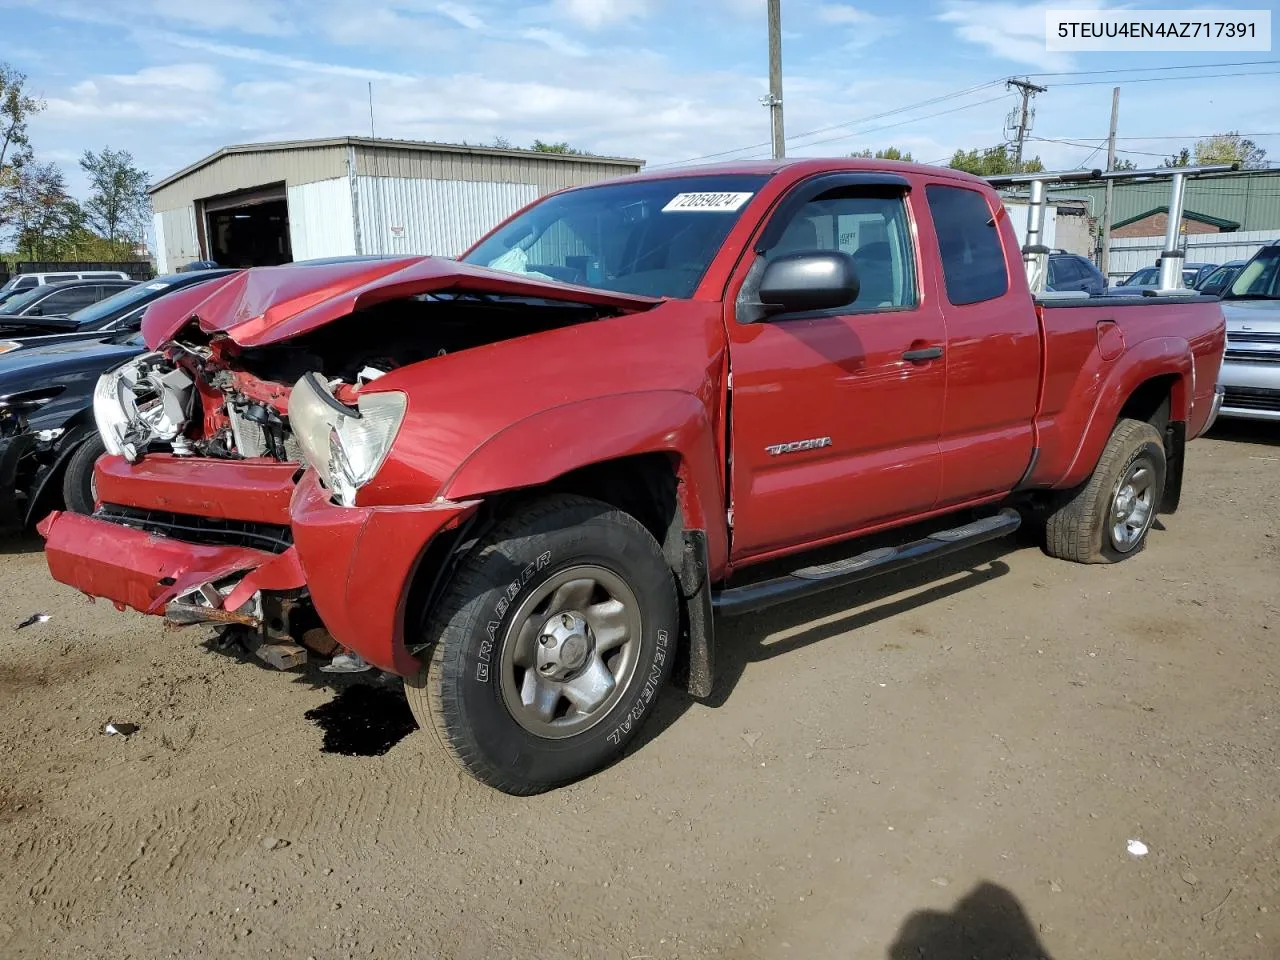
<point x="887" y="126"/>
<point x="1189" y="66"/>
<point x="835" y="126"/>
<point x="1200" y="76"/>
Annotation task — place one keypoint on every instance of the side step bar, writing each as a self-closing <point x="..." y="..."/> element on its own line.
<point x="808" y="581"/>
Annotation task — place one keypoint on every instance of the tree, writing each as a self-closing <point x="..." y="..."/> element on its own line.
<point x="118" y="204"/>
<point x="888" y="153"/>
<point x="43" y="216"/>
<point x="1125" y="164"/>
<point x="561" y="147"/>
<point x="16" y="108"/>
<point x="1180" y="159"/>
<point x="993" y="161"/>
<point x="1229" y="148"/>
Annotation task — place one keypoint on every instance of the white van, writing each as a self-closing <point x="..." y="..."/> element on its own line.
<point x="25" y="281"/>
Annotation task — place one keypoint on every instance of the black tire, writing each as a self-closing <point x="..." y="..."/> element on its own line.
<point x="77" y="482"/>
<point x="1080" y="524"/>
<point x="458" y="693"/>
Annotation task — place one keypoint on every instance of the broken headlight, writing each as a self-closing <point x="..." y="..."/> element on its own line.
<point x="346" y="445"/>
<point x="145" y="400"/>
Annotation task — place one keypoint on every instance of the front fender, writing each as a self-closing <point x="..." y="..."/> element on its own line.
<point x="548" y="444"/>
<point x="1159" y="357"/>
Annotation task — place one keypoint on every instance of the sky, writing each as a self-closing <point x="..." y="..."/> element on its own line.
<point x="665" y="81"/>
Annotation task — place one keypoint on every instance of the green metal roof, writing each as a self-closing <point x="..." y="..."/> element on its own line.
<point x="1250" y="198"/>
<point x="1219" y="222"/>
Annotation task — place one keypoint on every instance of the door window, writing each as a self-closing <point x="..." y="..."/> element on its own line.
<point x="973" y="264"/>
<point x="870" y="227"/>
<point x="64" y="302"/>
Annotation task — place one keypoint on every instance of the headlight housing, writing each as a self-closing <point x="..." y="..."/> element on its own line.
<point x="346" y="445"/>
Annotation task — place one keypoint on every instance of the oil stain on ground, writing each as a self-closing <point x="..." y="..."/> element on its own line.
<point x="363" y="721"/>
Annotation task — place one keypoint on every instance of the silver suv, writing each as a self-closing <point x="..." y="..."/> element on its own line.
<point x="1251" y="369"/>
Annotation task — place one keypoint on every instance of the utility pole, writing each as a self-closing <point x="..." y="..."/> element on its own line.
<point x="1023" y="124"/>
<point x="1105" y="258"/>
<point x="774" y="100"/>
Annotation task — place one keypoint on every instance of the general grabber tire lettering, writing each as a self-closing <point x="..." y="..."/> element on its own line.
<point x="77" y="482"/>
<point x="1107" y="518"/>
<point x="549" y="645"/>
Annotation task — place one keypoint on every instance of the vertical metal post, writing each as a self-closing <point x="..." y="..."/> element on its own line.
<point x="1104" y="261"/>
<point x="774" y="102"/>
<point x="1171" y="256"/>
<point x="1035" y="253"/>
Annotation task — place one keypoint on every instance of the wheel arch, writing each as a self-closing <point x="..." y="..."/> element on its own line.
<point x="1152" y="384"/>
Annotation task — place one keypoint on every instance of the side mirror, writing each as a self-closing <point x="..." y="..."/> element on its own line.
<point x="812" y="280"/>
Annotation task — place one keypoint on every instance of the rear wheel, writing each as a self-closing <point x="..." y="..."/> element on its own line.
<point x="549" y="645"/>
<point x="1107" y="518"/>
<point x="79" y="489"/>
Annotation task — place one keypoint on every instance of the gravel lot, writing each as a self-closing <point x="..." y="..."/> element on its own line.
<point x="946" y="765"/>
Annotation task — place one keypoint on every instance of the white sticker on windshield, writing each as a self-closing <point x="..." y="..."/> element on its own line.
<point x="157" y="286"/>
<point x="706" y="202"/>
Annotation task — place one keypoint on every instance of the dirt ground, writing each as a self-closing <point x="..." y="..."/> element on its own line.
<point x="945" y="766"/>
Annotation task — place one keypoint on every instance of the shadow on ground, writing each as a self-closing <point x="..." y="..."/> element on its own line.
<point x="988" y="923"/>
<point x="742" y="641"/>
<point x="1247" y="431"/>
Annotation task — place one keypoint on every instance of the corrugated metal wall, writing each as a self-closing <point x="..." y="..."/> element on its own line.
<point x="438" y="217"/>
<point x="1133" y="253"/>
<point x="1017" y="210"/>
<point x="320" y="223"/>
<point x="176" y="241"/>
<point x="1251" y="199"/>
<point x="553" y="173"/>
<point x="240" y="171"/>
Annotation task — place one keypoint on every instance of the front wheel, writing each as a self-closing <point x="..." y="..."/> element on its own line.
<point x="549" y="645"/>
<point x="79" y="489"/>
<point x="1107" y="518"/>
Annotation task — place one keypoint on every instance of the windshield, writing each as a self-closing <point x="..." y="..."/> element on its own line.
<point x="104" y="310"/>
<point x="1259" y="279"/>
<point x="653" y="237"/>
<point x="23" y="300"/>
<point x="1144" y="276"/>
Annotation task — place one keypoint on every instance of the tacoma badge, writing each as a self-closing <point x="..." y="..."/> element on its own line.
<point x="797" y="445"/>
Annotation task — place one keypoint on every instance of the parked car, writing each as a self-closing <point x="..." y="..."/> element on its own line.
<point x="48" y="438"/>
<point x="1216" y="282"/>
<point x="27" y="281"/>
<point x="1148" y="278"/>
<point x="1067" y="271"/>
<point x="1251" y="370"/>
<point x="527" y="496"/>
<point x="61" y="299"/>
<point x="117" y="312"/>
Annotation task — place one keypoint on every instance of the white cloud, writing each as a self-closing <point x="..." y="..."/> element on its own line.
<point x="191" y="77"/>
<point x="244" y="16"/>
<point x="595" y="14"/>
<point x="463" y="16"/>
<point x="842" y="13"/>
<point x="270" y="58"/>
<point x="556" y="41"/>
<point x="1011" y="31"/>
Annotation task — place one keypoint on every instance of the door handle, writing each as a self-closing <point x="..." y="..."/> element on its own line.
<point x="924" y="353"/>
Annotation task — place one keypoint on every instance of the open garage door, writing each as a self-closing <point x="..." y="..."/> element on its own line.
<point x="249" y="228"/>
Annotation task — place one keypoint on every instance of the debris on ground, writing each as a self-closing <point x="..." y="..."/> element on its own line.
<point x="273" y="843"/>
<point x="33" y="619"/>
<point x="114" y="729"/>
<point x="1137" y="848"/>
<point x="349" y="662"/>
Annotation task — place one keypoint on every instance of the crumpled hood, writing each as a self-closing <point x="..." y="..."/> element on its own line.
<point x="268" y="304"/>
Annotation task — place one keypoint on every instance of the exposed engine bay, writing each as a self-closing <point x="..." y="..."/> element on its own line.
<point x="202" y="395"/>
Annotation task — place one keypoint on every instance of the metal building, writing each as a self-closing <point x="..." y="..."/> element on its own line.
<point x="268" y="203"/>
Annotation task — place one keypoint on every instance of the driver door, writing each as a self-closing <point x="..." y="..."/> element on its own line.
<point x="837" y="414"/>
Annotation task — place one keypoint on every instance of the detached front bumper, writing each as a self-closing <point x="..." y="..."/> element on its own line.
<point x="356" y="563"/>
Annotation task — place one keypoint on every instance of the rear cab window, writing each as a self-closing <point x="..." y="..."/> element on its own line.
<point x="973" y="262"/>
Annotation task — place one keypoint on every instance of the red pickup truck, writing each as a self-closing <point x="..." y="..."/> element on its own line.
<point x="527" y="480"/>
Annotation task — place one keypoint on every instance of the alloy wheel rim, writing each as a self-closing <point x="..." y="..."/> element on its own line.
<point x="1132" y="507"/>
<point x="570" y="650"/>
